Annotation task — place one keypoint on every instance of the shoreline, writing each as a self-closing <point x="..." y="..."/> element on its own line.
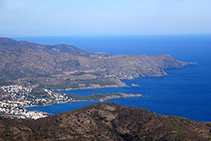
<point x="123" y="95"/>
<point x="68" y="99"/>
<point x="108" y="97"/>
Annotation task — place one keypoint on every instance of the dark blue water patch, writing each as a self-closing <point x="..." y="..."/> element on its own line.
<point x="188" y="106"/>
<point x="64" y="107"/>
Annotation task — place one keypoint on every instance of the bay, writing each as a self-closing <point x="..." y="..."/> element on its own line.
<point x="185" y="92"/>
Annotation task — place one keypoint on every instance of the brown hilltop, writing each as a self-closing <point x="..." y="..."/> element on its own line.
<point x="105" y="121"/>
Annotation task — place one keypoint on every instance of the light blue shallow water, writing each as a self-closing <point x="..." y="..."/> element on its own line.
<point x="186" y="92"/>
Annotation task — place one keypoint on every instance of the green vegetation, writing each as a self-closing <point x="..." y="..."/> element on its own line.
<point x="87" y="82"/>
<point x="64" y="86"/>
<point x="33" y="82"/>
<point x="73" y="63"/>
<point x="39" y="93"/>
<point x="127" y="137"/>
<point x="94" y="97"/>
<point x="43" y="75"/>
<point x="101" y="82"/>
<point x="7" y="134"/>
<point x="4" y="83"/>
<point x="79" y="73"/>
<point x="38" y="136"/>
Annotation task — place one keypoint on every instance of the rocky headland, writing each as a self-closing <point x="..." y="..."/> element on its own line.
<point x="67" y="67"/>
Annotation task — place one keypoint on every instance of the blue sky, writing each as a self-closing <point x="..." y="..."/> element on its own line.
<point x="104" y="17"/>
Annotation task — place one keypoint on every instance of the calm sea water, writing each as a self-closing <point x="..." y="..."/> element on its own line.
<point x="186" y="92"/>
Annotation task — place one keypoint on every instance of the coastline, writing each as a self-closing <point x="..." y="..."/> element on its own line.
<point x="107" y="97"/>
<point x="122" y="95"/>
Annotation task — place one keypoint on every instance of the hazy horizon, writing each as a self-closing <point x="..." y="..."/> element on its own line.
<point x="104" y="17"/>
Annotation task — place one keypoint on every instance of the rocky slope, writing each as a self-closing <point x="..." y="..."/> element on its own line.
<point x="24" y="62"/>
<point x="105" y="121"/>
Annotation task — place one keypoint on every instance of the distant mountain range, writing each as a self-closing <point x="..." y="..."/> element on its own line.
<point x="65" y="65"/>
<point x="8" y="44"/>
<point x="105" y="121"/>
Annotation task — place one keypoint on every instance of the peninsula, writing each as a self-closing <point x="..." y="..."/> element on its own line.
<point x="31" y="73"/>
<point x="67" y="67"/>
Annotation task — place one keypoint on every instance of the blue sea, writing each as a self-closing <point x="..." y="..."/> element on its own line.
<point x="185" y="92"/>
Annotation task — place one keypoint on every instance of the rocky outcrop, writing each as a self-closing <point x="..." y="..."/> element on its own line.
<point x="119" y="96"/>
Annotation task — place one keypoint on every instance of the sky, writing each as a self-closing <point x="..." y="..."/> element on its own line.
<point x="104" y="17"/>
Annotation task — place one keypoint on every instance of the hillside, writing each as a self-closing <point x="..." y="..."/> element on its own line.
<point x="8" y="44"/>
<point x="105" y="121"/>
<point x="65" y="66"/>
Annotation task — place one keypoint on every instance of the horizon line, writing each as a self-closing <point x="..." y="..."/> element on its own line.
<point x="156" y="34"/>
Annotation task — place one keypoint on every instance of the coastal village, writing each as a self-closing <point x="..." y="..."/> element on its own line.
<point x="22" y="97"/>
<point x="16" y="109"/>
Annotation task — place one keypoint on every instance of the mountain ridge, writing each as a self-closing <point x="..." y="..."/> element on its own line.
<point x="10" y="44"/>
<point x="23" y="62"/>
<point x="105" y="121"/>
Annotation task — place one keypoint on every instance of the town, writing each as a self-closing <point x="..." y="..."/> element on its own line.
<point x="16" y="109"/>
<point x="21" y="97"/>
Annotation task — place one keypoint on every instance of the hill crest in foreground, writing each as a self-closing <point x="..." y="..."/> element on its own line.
<point x="105" y="121"/>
